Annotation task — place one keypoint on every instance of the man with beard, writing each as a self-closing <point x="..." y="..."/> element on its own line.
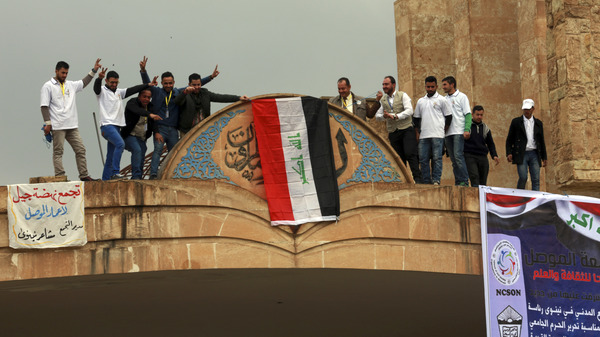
<point x="432" y="117"/>
<point x="138" y="128"/>
<point x="395" y="108"/>
<point x="194" y="103"/>
<point x="112" y="118"/>
<point x="59" y="111"/>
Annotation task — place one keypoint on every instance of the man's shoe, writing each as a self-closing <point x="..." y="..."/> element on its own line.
<point x="463" y="184"/>
<point x="117" y="177"/>
<point x="436" y="183"/>
<point x="88" y="178"/>
<point x="153" y="177"/>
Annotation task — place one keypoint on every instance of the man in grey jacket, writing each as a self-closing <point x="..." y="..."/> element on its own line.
<point x="347" y="100"/>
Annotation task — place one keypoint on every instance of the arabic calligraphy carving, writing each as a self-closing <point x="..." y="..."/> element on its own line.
<point x="198" y="162"/>
<point x="241" y="153"/>
<point x="374" y="166"/>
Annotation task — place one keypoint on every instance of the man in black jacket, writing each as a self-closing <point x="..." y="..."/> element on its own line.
<point x="477" y="147"/>
<point x="138" y="128"/>
<point x="525" y="146"/>
<point x="194" y="103"/>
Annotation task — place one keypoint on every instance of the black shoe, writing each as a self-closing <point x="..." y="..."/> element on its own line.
<point x="153" y="177"/>
<point x="88" y="178"/>
<point x="117" y="177"/>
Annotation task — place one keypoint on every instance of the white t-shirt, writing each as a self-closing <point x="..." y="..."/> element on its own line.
<point x="112" y="109"/>
<point x="432" y="111"/>
<point x="62" y="107"/>
<point x="459" y="103"/>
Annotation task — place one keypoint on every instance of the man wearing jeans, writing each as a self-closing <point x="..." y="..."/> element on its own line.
<point x="525" y="146"/>
<point x="165" y="130"/>
<point x="432" y="117"/>
<point x="459" y="130"/>
<point x="112" y="119"/>
<point x="138" y="128"/>
<point x="59" y="111"/>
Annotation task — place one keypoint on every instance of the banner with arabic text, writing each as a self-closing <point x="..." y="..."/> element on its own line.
<point x="541" y="256"/>
<point x="46" y="215"/>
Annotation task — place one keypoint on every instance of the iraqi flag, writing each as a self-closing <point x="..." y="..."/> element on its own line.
<point x="296" y="155"/>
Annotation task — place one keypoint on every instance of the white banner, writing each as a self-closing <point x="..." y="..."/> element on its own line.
<point x="46" y="215"/>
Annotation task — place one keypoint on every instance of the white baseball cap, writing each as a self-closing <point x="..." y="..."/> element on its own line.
<point x="527" y="104"/>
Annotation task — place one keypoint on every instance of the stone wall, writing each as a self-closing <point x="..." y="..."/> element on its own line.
<point x="574" y="83"/>
<point x="502" y="51"/>
<point x="179" y="224"/>
<point x="477" y="43"/>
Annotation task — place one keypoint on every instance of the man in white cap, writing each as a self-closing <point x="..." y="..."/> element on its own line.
<point x="525" y="146"/>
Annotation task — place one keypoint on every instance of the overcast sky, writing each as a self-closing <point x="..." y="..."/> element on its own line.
<point x="261" y="46"/>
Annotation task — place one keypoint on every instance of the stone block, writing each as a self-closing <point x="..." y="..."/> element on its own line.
<point x="468" y="261"/>
<point x="48" y="179"/>
<point x="431" y="256"/>
<point x="390" y="257"/>
<point x="350" y="255"/>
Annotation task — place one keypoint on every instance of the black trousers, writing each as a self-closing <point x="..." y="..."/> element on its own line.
<point x="478" y="168"/>
<point x="405" y="144"/>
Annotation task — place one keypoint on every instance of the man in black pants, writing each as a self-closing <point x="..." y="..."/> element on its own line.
<point x="477" y="148"/>
<point x="396" y="109"/>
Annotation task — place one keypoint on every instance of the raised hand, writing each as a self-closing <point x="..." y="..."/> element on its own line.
<point x="102" y="73"/>
<point x="97" y="65"/>
<point x="215" y="72"/>
<point x="143" y="64"/>
<point x="379" y="95"/>
<point x="154" y="82"/>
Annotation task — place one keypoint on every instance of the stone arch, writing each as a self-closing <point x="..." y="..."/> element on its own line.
<point x="223" y="147"/>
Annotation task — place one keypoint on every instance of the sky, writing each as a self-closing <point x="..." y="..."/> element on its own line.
<point x="261" y="47"/>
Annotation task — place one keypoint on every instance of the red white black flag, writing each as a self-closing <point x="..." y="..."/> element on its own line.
<point x="296" y="154"/>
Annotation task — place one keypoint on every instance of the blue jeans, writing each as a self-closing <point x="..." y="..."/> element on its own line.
<point x="530" y="161"/>
<point x="114" y="150"/>
<point x="171" y="137"/>
<point x="455" y="144"/>
<point x="137" y="147"/>
<point x="431" y="148"/>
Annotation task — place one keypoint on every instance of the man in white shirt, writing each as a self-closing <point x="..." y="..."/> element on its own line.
<point x="432" y="117"/>
<point x="112" y="118"/>
<point x="459" y="130"/>
<point x="526" y="147"/>
<point x="395" y="108"/>
<point x="347" y="100"/>
<point x="59" y="111"/>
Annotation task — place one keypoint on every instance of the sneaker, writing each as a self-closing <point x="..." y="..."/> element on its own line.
<point x="88" y="178"/>
<point x="153" y="177"/>
<point x="463" y="184"/>
<point x="117" y="177"/>
<point x="436" y="183"/>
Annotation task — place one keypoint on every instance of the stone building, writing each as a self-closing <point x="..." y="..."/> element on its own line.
<point x="502" y="51"/>
<point x="199" y="257"/>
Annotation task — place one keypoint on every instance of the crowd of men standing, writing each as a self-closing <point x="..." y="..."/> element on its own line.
<point x="420" y="136"/>
<point x="164" y="113"/>
<point x="441" y="124"/>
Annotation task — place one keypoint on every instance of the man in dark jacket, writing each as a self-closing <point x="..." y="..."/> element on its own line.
<point x="194" y="103"/>
<point x="477" y="147"/>
<point x="525" y="146"/>
<point x="138" y="128"/>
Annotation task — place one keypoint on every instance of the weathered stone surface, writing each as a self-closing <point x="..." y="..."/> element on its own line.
<point x="177" y="225"/>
